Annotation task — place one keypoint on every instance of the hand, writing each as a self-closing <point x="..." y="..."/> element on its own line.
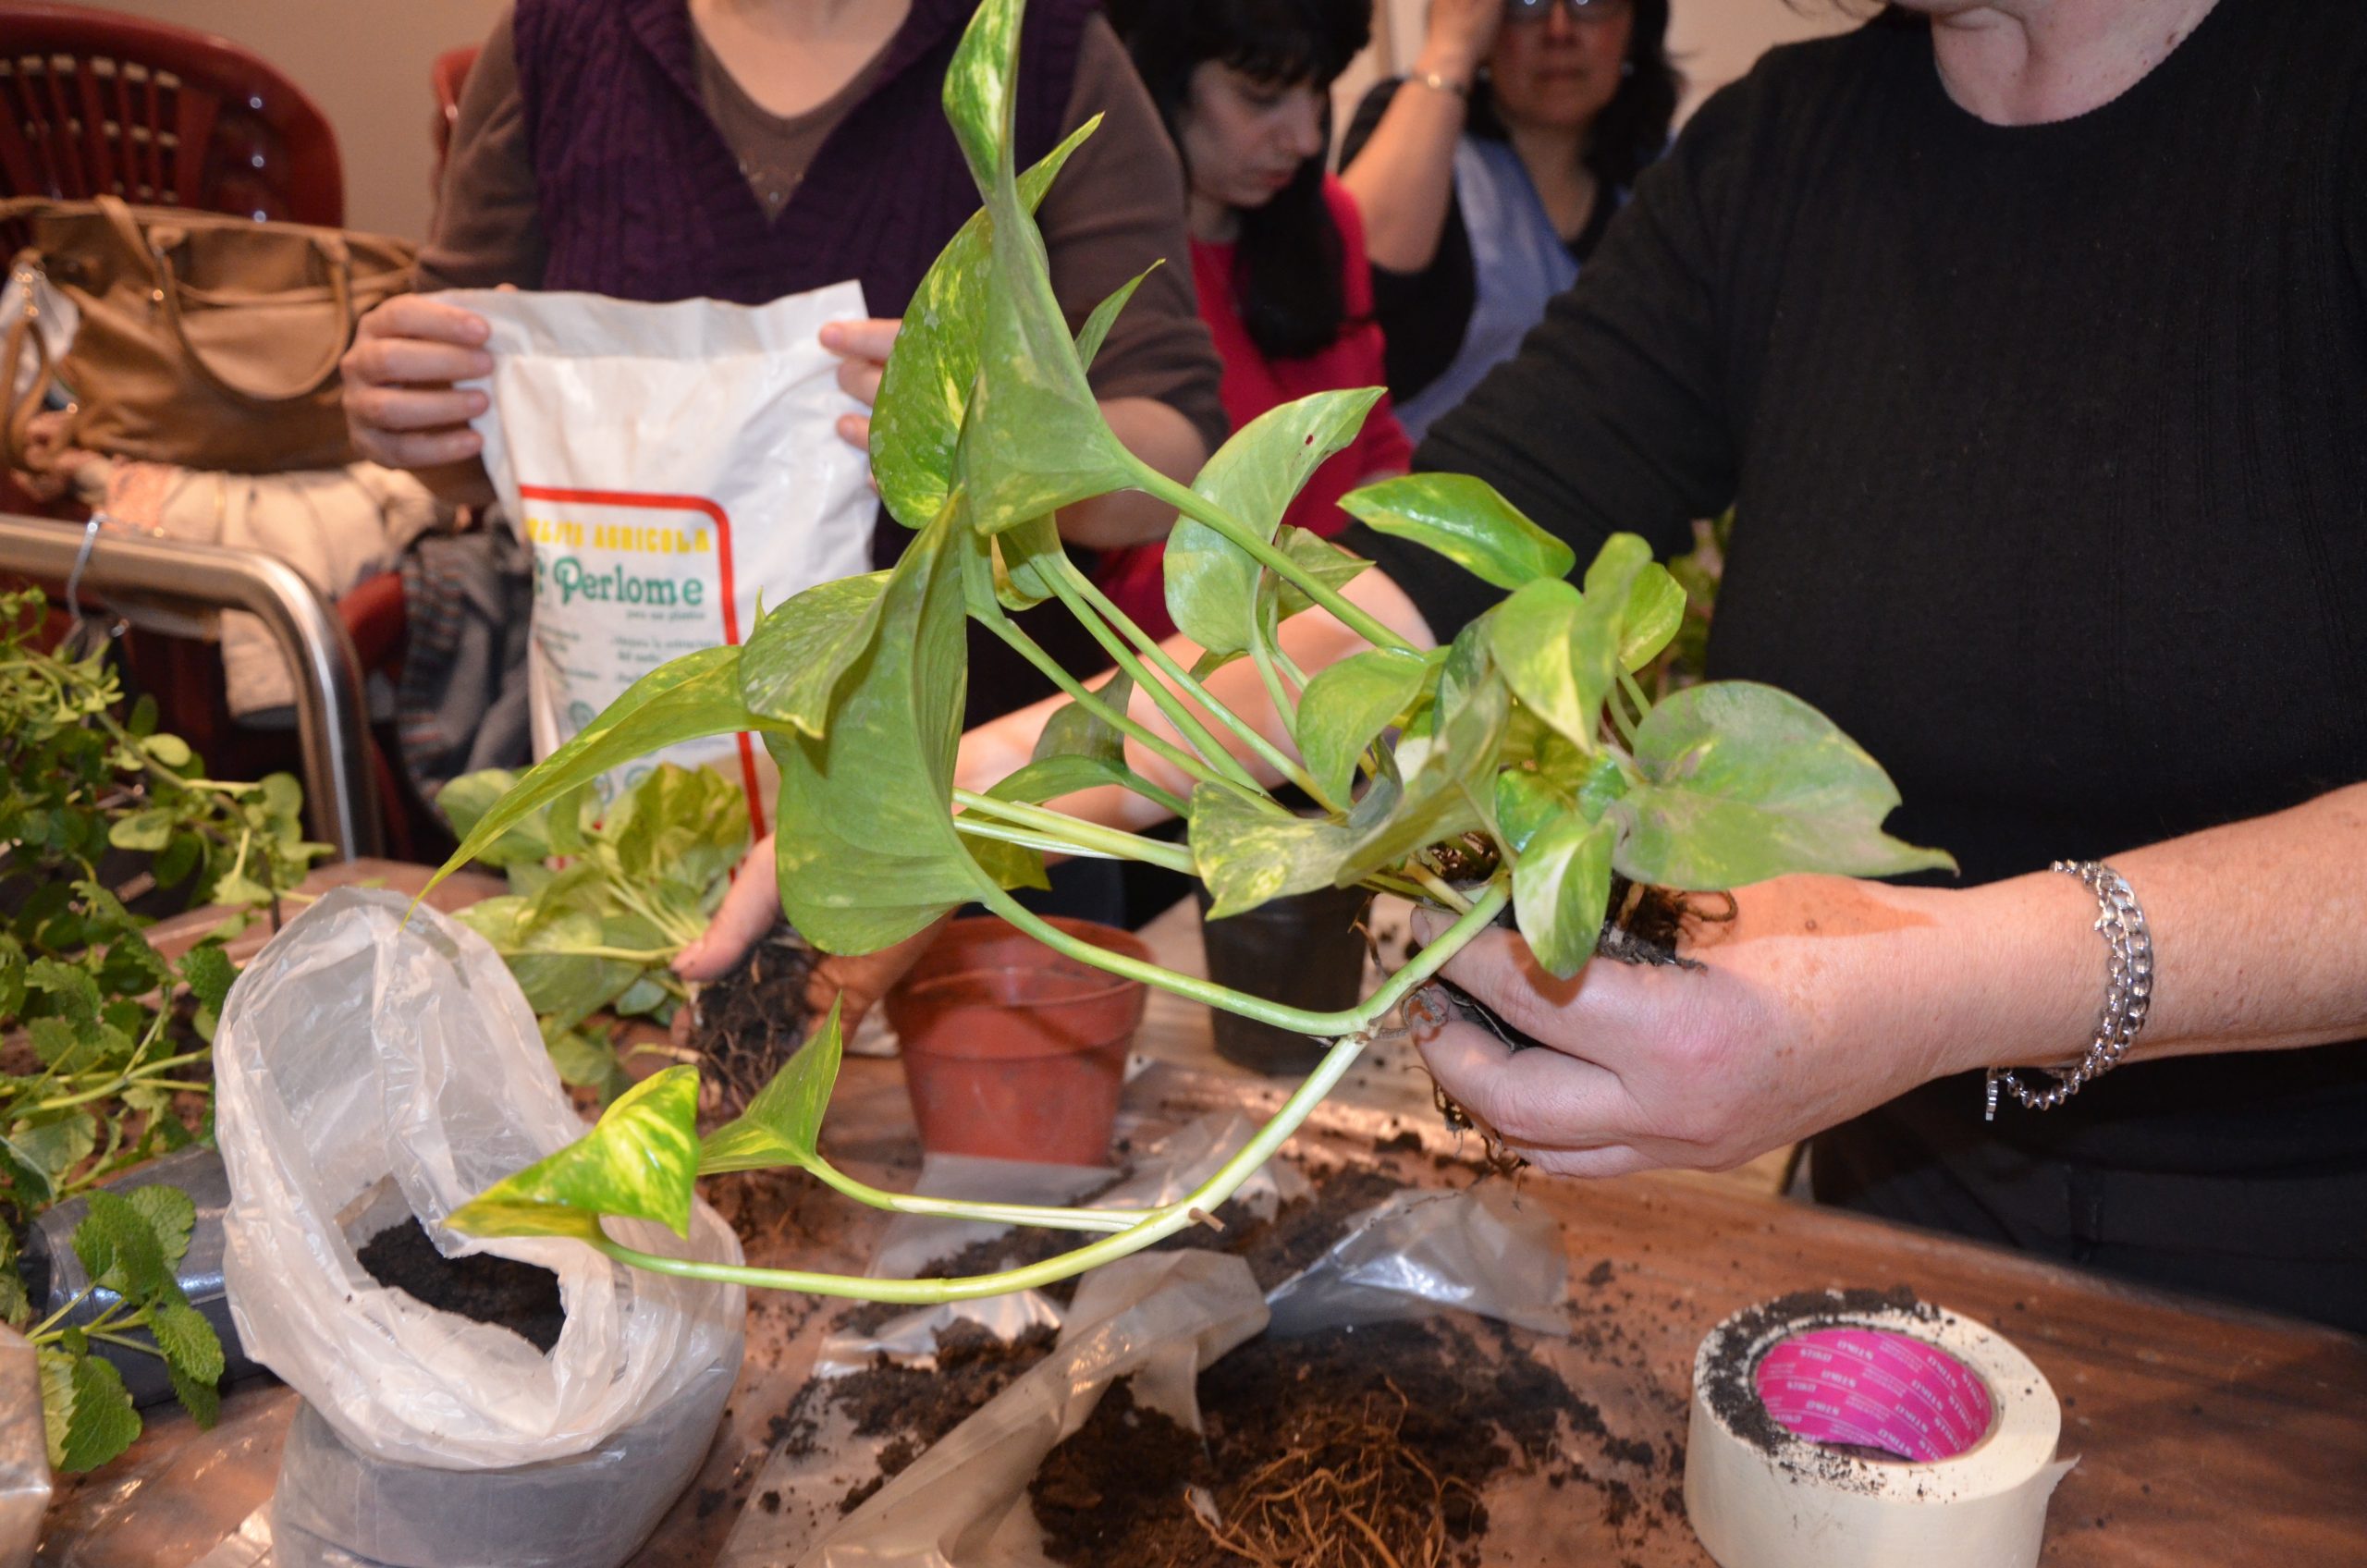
<point x="749" y="909"/>
<point x="400" y="404"/>
<point x="1822" y="998"/>
<point x="1461" y="35"/>
<point x="864" y="345"/>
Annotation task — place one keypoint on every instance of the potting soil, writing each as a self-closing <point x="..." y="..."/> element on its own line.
<point x="1359" y="1447"/>
<point x="509" y="1294"/>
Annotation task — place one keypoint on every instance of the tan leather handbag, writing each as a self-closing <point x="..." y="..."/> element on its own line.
<point x="206" y="340"/>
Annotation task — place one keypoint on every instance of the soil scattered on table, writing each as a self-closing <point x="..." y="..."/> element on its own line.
<point x="750" y="1022"/>
<point x="520" y="1297"/>
<point x="1356" y="1448"/>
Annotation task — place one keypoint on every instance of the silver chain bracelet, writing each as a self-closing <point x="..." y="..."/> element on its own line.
<point x="2128" y="992"/>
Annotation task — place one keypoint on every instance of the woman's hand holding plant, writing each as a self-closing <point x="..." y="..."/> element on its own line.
<point x="1822" y="997"/>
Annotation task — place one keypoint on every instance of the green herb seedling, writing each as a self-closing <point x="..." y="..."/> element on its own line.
<point x="642" y="878"/>
<point x="130" y="1244"/>
<point x="1530" y="729"/>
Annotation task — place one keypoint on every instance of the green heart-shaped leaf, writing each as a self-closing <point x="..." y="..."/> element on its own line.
<point x="1525" y="802"/>
<point x="783" y="1124"/>
<point x="1347" y="705"/>
<point x="1655" y="609"/>
<point x="1557" y="655"/>
<point x="794" y="658"/>
<point x="639" y="1161"/>
<point x="1742" y="782"/>
<point x="1212" y="583"/>
<point x="1089" y="337"/>
<point x="1561" y="888"/>
<point x="1076" y="730"/>
<point x="867" y="850"/>
<point x="916" y="419"/>
<point x="1466" y="521"/>
<point x="1449" y="774"/>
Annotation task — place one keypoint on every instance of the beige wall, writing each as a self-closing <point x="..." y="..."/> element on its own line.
<point x="365" y="63"/>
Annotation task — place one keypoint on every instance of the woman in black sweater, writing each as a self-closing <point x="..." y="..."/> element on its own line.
<point x="2029" y="339"/>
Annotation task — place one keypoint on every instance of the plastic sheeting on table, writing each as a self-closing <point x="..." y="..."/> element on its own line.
<point x="1161" y="1318"/>
<point x="1164" y="1173"/>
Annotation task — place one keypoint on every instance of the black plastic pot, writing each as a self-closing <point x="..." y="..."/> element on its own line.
<point x="1303" y="951"/>
<point x="53" y="1273"/>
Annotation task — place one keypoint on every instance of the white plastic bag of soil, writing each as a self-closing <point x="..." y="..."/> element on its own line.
<point x="671" y="466"/>
<point x="370" y="1070"/>
<point x="1161" y="1318"/>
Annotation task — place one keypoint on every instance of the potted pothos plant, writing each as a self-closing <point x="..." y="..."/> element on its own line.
<point x="1528" y="736"/>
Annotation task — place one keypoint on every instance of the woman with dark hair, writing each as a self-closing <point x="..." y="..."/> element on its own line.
<point x="1488" y="172"/>
<point x="1278" y="254"/>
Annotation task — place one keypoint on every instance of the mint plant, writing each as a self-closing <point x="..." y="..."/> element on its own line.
<point x="105" y="1062"/>
<point x="1529" y="733"/>
<point x="130" y="1244"/>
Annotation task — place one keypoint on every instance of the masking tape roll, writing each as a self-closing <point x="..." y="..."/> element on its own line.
<point x="1864" y="1429"/>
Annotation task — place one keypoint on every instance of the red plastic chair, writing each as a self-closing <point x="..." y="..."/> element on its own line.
<point x="448" y="76"/>
<point x="93" y="102"/>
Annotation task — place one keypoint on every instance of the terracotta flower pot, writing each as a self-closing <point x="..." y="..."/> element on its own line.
<point x="1014" y="1051"/>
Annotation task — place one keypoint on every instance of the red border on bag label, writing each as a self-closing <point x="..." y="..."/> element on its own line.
<point x="714" y="514"/>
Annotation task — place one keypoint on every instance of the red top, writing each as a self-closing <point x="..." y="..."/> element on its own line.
<point x="1253" y="384"/>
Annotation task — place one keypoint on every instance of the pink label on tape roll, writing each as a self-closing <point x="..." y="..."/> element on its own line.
<point x="1872" y="1388"/>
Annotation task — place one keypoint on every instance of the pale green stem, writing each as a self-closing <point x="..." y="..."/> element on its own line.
<point x="1275" y="758"/>
<point x="77" y="1299"/>
<point x="1635" y="694"/>
<point x="1432" y="884"/>
<point x="1190" y="502"/>
<point x="126" y="1343"/>
<point x="1278" y="694"/>
<point x="1297" y="1021"/>
<point x="991" y="1213"/>
<point x="1072" y="833"/>
<point x="621" y="955"/>
<point x="1624" y="725"/>
<point x="1187" y="724"/>
<point x="1156" y="744"/>
<point x="682" y="932"/>
<point x="1156" y="1226"/>
<point x="118" y="1083"/>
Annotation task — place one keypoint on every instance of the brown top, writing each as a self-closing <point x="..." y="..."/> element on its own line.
<point x="1117" y="207"/>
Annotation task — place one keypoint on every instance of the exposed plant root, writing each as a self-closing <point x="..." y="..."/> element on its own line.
<point x="1348" y="1493"/>
<point x="746" y="1024"/>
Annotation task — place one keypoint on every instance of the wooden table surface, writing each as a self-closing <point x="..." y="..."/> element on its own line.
<point x="2204" y="1435"/>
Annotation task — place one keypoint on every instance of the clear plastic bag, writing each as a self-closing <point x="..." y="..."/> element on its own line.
<point x="367" y="1069"/>
<point x="24" y="1451"/>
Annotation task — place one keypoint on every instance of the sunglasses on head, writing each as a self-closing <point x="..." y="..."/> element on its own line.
<point x="1579" y="10"/>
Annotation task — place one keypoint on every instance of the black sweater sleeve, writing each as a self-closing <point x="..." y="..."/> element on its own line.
<point x="1616" y="414"/>
<point x="1424" y="313"/>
